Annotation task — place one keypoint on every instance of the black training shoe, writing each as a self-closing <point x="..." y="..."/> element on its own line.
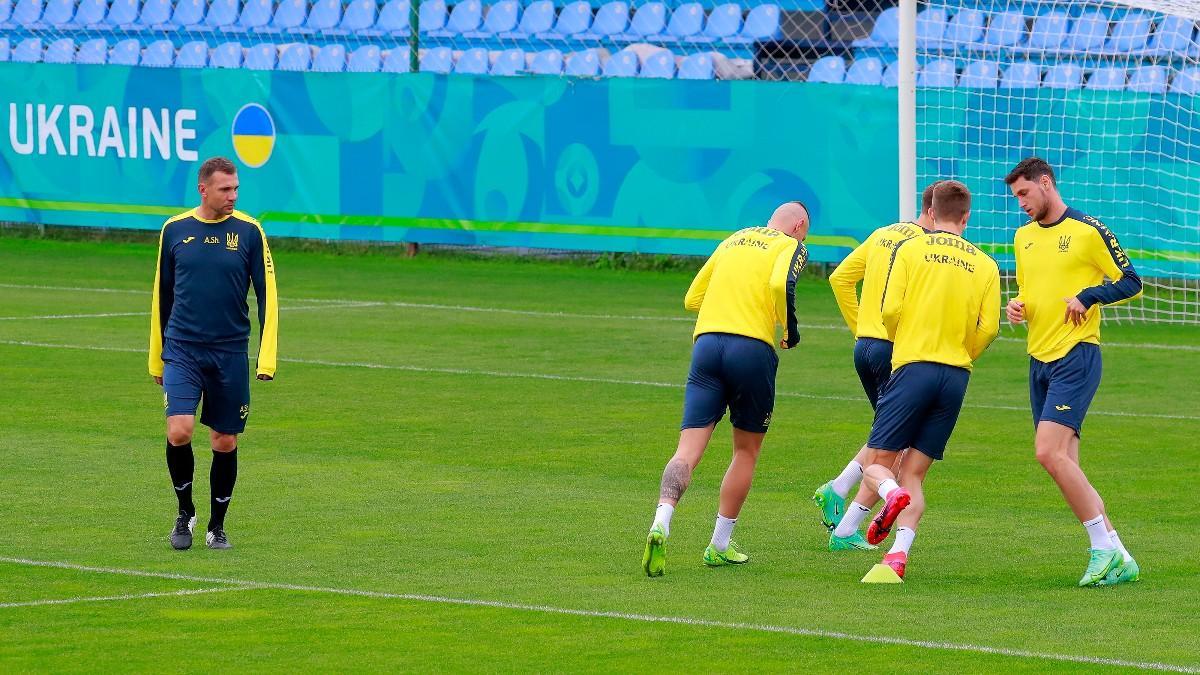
<point x="181" y="535"/>
<point x="217" y="539"/>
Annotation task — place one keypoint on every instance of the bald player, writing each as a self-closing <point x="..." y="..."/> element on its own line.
<point x="742" y="293"/>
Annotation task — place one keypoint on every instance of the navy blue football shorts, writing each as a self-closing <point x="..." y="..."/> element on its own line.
<point x="734" y="372"/>
<point x="919" y="408"/>
<point x="1061" y="391"/>
<point x="192" y="372"/>
<point x="873" y="361"/>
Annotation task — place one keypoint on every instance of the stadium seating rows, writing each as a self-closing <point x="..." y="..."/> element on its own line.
<point x="985" y="74"/>
<point x="661" y="63"/>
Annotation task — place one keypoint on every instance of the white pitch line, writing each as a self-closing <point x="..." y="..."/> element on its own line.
<point x="115" y="598"/>
<point x="567" y="378"/>
<point x="296" y="308"/>
<point x="239" y="584"/>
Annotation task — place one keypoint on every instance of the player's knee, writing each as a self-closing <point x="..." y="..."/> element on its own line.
<point x="224" y="442"/>
<point x="179" y="433"/>
<point x="1050" y="455"/>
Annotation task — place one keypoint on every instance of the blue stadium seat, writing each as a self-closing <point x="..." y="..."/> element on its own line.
<point x="1174" y="36"/>
<point x="762" y="23"/>
<point x="432" y="15"/>
<point x="27" y="13"/>
<point x="686" y="22"/>
<point x="611" y="19"/>
<point x="659" y="65"/>
<point x="359" y="16"/>
<point x="125" y="53"/>
<point x="228" y="55"/>
<point x="537" y="18"/>
<point x="573" y="20"/>
<point x="58" y="13"/>
<point x="392" y="20"/>
<point x="829" y="69"/>
<point x="865" y="70"/>
<point x="256" y="14"/>
<point x="192" y="55"/>
<point x="1049" y="31"/>
<point x="323" y="17"/>
<point x="188" y="14"/>
<point x="472" y="62"/>
<point x="509" y="62"/>
<point x="1109" y="78"/>
<point x="366" y="59"/>
<point x="61" y="50"/>
<point x="622" y="64"/>
<point x="1130" y="33"/>
<point x="466" y="17"/>
<point x="979" y="75"/>
<point x="4" y="50"/>
<point x="937" y="73"/>
<point x="5" y="15"/>
<point x="1021" y="75"/>
<point x="93" y="52"/>
<point x="891" y="75"/>
<point x="885" y="32"/>
<point x="724" y="21"/>
<point x="548" y="62"/>
<point x="966" y="27"/>
<point x="155" y="15"/>
<point x="295" y="57"/>
<point x="397" y="61"/>
<point x="1186" y="81"/>
<point x="1063" y="76"/>
<point x="330" y="58"/>
<point x="648" y="20"/>
<point x="1007" y="29"/>
<point x="582" y="64"/>
<point x="90" y="13"/>
<point x="262" y="56"/>
<point x="697" y="67"/>
<point x="122" y="14"/>
<point x="29" y="50"/>
<point x="437" y="60"/>
<point x="159" y="54"/>
<point x="222" y="14"/>
<point x="289" y="15"/>
<point x="931" y="26"/>
<point x="1148" y="80"/>
<point x="1088" y="32"/>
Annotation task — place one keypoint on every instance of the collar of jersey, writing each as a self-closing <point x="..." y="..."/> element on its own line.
<point x="1066" y="214"/>
<point x="196" y="215"/>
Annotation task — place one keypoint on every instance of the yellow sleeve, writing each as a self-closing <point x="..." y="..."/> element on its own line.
<point x="155" y="361"/>
<point x="988" y="325"/>
<point x="695" y="292"/>
<point x="1105" y="252"/>
<point x="844" y="282"/>
<point x="1020" y="271"/>
<point x="268" y="309"/>
<point x="784" y="275"/>
<point x="893" y="291"/>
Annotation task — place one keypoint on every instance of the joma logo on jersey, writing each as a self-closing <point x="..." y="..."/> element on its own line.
<point x="1064" y="243"/>
<point x="212" y="240"/>
<point x="231" y="241"/>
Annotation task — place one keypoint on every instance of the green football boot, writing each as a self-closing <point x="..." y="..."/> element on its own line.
<point x="654" y="560"/>
<point x="1126" y="572"/>
<point x="855" y="542"/>
<point x="832" y="506"/>
<point x="730" y="556"/>
<point x="1101" y="562"/>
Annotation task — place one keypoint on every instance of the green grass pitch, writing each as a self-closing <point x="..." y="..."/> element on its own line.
<point x="457" y="464"/>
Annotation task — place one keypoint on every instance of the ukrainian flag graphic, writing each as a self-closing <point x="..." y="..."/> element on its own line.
<point x="253" y="135"/>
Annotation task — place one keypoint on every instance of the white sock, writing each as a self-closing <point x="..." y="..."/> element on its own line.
<point x="1112" y="535"/>
<point x="722" y="532"/>
<point x="886" y="487"/>
<point x="847" y="479"/>
<point x="1098" y="533"/>
<point x="848" y="525"/>
<point x="904" y="540"/>
<point x="662" y="516"/>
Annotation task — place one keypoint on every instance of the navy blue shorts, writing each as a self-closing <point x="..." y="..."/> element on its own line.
<point x="735" y="372"/>
<point x="192" y="371"/>
<point x="873" y="361"/>
<point x="1062" y="390"/>
<point x="919" y="407"/>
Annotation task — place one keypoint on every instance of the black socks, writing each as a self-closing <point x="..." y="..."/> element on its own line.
<point x="221" y="477"/>
<point x="182" y="464"/>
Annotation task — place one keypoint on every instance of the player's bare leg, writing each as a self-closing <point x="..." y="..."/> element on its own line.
<point x="882" y="480"/>
<point x="181" y="464"/>
<point x="845" y="536"/>
<point x="734" y="488"/>
<point x="675" y="480"/>
<point x="911" y="477"/>
<point x="222" y="477"/>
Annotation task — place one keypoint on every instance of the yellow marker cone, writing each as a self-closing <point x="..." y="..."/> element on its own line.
<point x="882" y="574"/>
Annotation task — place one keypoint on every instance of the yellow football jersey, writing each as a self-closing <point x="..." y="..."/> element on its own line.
<point x="868" y="263"/>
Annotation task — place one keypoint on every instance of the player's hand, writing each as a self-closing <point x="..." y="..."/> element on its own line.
<point x="783" y="344"/>
<point x="265" y="378"/>
<point x="158" y="380"/>
<point x="1015" y="311"/>
<point x="1076" y="313"/>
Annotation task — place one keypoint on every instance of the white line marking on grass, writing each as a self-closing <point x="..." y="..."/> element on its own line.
<point x="239" y="584"/>
<point x="350" y="303"/>
<point x="115" y="598"/>
<point x="42" y="317"/>
<point x="569" y="378"/>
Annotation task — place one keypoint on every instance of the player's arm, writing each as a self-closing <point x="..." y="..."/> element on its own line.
<point x="1016" y="307"/>
<point x="844" y="282"/>
<point x="786" y="272"/>
<point x="893" y="291"/>
<point x="1105" y="252"/>
<point x="161" y="302"/>
<point x="262" y="275"/>
<point x="695" y="293"/>
<point x="987" y="326"/>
